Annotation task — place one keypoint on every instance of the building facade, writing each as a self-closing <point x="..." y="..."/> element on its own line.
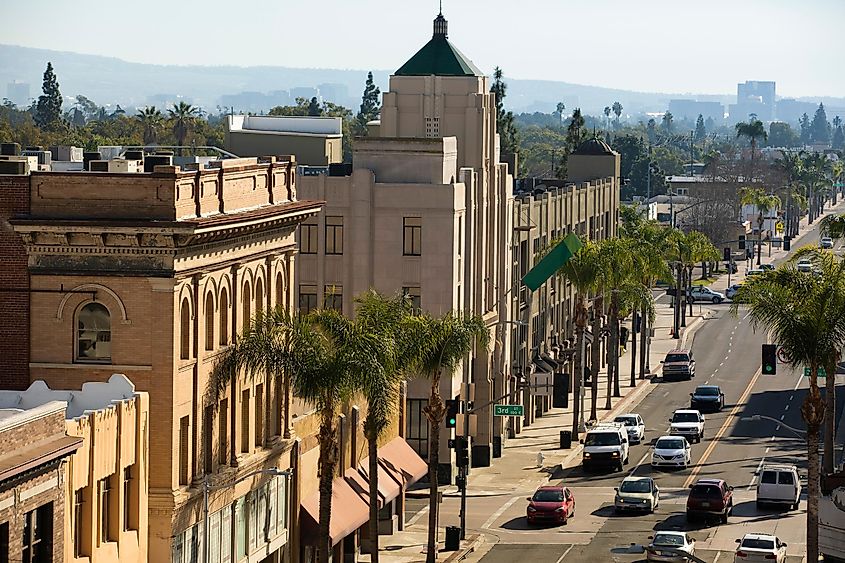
<point x="316" y="141"/>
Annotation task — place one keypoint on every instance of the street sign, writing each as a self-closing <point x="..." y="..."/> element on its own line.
<point x="820" y="373"/>
<point x="542" y="379"/>
<point x="508" y="410"/>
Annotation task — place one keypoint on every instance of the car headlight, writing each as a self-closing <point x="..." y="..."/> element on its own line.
<point x="532" y="509"/>
<point x="586" y="454"/>
<point x="620" y="500"/>
<point x="559" y="509"/>
<point x="615" y="454"/>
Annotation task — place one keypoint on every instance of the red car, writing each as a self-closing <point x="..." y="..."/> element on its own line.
<point x="551" y="504"/>
<point x="710" y="497"/>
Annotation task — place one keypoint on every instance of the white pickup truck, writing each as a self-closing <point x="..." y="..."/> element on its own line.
<point x="832" y="518"/>
<point x="688" y="423"/>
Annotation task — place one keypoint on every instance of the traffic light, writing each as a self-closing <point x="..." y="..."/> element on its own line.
<point x="741" y="242"/>
<point x="770" y="361"/>
<point x="726" y="254"/>
<point x="560" y="394"/>
<point x="461" y="451"/>
<point x="453" y="407"/>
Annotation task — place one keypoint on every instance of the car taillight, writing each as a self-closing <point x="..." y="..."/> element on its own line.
<point x="741" y="554"/>
<point x="771" y="556"/>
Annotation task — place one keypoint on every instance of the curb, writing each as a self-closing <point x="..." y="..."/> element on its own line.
<point x="472" y="542"/>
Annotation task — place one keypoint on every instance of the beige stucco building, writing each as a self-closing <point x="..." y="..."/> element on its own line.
<point x="104" y="489"/>
<point x="316" y="141"/>
<point x="426" y="210"/>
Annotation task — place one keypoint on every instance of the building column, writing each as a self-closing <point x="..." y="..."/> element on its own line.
<point x="482" y="442"/>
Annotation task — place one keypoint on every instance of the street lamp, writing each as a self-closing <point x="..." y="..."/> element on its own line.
<point x="759" y="417"/>
<point x="208" y="488"/>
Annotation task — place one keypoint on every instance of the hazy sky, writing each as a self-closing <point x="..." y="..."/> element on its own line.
<point x="703" y="46"/>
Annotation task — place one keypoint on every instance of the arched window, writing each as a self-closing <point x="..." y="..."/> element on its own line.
<point x="209" y="321"/>
<point x="224" y="317"/>
<point x="247" y="306"/>
<point x="259" y="296"/>
<point x="280" y="290"/>
<point x="185" y="331"/>
<point x="93" y="334"/>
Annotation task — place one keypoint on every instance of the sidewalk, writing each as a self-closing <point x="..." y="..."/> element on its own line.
<point x="517" y="469"/>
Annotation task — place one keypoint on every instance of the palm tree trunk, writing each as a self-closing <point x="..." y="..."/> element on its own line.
<point x="829" y="416"/>
<point x="812" y="411"/>
<point x="678" y="298"/>
<point x="634" y="349"/>
<point x="614" y="344"/>
<point x="435" y="416"/>
<point x="595" y="358"/>
<point x="577" y="377"/>
<point x="328" y="461"/>
<point x="372" y="448"/>
<point x="684" y="298"/>
<point x="644" y="328"/>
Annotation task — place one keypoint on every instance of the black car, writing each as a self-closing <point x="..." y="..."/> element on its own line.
<point x="707" y="397"/>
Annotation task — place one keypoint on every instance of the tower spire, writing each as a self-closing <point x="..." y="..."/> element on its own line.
<point x="441" y="26"/>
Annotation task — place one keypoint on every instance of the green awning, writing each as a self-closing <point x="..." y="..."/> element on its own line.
<point x="551" y="262"/>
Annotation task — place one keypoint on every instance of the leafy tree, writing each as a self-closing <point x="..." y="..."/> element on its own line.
<point x="370" y="105"/>
<point x="617" y="111"/>
<point x="804" y="313"/>
<point x="48" y="109"/>
<point x="782" y="135"/>
<point x="804" y="122"/>
<point x="819" y="127"/>
<point x="152" y="120"/>
<point x="182" y="116"/>
<point x="667" y="123"/>
<point x="314" y="109"/>
<point x="700" y="129"/>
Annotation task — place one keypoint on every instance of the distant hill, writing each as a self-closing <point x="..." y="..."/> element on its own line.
<point x="107" y="80"/>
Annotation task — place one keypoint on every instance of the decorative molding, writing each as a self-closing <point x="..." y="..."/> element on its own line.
<point x="95" y="286"/>
<point x="109" y="367"/>
<point x="50" y="483"/>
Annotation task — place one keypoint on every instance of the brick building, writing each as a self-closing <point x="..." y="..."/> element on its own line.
<point x="14" y="285"/>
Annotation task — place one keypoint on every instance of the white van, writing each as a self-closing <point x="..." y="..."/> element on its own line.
<point x="778" y="484"/>
<point x="606" y="445"/>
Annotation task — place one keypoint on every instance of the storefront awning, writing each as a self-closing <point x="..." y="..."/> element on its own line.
<point x="389" y="485"/>
<point x="349" y="512"/>
<point x="401" y="461"/>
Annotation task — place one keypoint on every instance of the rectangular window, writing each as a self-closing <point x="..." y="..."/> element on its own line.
<point x="78" y="505"/>
<point x="226" y="535"/>
<point x="4" y="542"/>
<point x="307" y="298"/>
<point x="259" y="415"/>
<point x="308" y="238"/>
<point x="104" y="507"/>
<point x="128" y="502"/>
<point x="184" y="441"/>
<point x="214" y="537"/>
<point x="333" y="297"/>
<point x="413" y="293"/>
<point x="37" y="541"/>
<point x="245" y="421"/>
<point x="411" y="236"/>
<point x="334" y="235"/>
<point x="417" y="426"/>
<point x="224" y="432"/>
<point x="240" y="529"/>
<point x="208" y="439"/>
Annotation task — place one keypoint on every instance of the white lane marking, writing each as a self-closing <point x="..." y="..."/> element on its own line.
<point x="417" y="516"/>
<point x="759" y="467"/>
<point x="639" y="463"/>
<point x="723" y="363"/>
<point x="798" y="383"/>
<point x="781" y="417"/>
<point x="565" y="553"/>
<point x="786" y="408"/>
<point x="499" y="512"/>
<point x="718" y="555"/>
<point x="715" y="370"/>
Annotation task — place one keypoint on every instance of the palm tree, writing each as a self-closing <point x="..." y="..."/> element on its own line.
<point x="805" y="315"/>
<point x="559" y="109"/>
<point x="752" y="130"/>
<point x="791" y="164"/>
<point x="581" y="272"/>
<point x="387" y="317"/>
<point x="151" y="119"/>
<point x="183" y="116"/>
<point x="441" y="345"/>
<point x="764" y="203"/>
<point x="607" y="111"/>
<point x="325" y="354"/>
<point x="617" y="110"/>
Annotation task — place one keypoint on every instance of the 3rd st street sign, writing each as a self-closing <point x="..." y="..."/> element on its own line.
<point x="508" y="410"/>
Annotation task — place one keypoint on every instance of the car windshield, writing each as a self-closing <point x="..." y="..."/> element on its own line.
<point x="548" y="496"/>
<point x="602" y="439"/>
<point x="627" y="420"/>
<point x="677" y="358"/>
<point x="638" y="486"/>
<point x="707" y="391"/>
<point x="668" y="539"/>
<point x="685" y="417"/>
<point x="757" y="543"/>
<point x="670" y="444"/>
<point x="705" y="491"/>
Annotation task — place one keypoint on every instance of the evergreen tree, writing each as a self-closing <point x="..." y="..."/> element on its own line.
<point x="709" y="124"/>
<point x="314" y="109"/>
<point x="48" y="111"/>
<point x="651" y="131"/>
<point x="804" y="122"/>
<point x="700" y="129"/>
<point x="820" y="128"/>
<point x="508" y="137"/>
<point x="370" y="105"/>
<point x="576" y="132"/>
<point x="838" y="139"/>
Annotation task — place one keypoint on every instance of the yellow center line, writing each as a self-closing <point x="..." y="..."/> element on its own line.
<point x="722" y="430"/>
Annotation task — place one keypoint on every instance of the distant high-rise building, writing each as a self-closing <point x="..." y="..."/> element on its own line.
<point x="754" y="97"/>
<point x="18" y="92"/>
<point x="691" y="109"/>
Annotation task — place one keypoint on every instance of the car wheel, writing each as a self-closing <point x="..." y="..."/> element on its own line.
<point x="717" y="300"/>
<point x="724" y="518"/>
<point x="619" y="467"/>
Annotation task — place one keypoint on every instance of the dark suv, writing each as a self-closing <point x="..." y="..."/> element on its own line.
<point x="707" y="397"/>
<point x="678" y="364"/>
<point x="710" y="497"/>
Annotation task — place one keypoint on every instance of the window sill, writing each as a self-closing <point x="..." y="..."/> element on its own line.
<point x="113" y="367"/>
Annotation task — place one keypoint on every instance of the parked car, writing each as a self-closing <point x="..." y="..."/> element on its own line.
<point x="637" y="493"/>
<point x="826" y="242"/>
<point x="678" y="363"/>
<point x="671" y="451"/>
<point x="707" y="397"/>
<point x="710" y="497"/>
<point x="551" y="504"/>
<point x="688" y="423"/>
<point x="779" y="484"/>
<point x="767" y="267"/>
<point x="702" y="293"/>
<point x="634" y="425"/>
<point x="760" y="547"/>
<point x="605" y="445"/>
<point x="804" y="265"/>
<point x="754" y="272"/>
<point x="670" y="546"/>
<point x="730" y="293"/>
